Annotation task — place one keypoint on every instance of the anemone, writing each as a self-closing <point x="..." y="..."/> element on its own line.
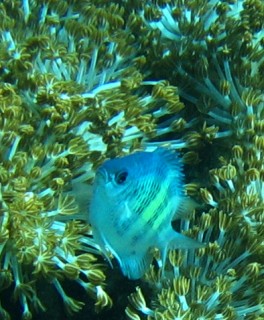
<point x="213" y="51"/>
<point x="71" y="95"/>
<point x="82" y="81"/>
<point x="215" y="282"/>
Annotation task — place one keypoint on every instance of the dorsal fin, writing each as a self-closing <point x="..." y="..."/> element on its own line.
<point x="172" y="159"/>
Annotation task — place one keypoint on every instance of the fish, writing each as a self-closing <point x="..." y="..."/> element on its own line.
<point x="134" y="200"/>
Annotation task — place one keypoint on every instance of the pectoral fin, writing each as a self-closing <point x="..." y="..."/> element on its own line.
<point x="181" y="241"/>
<point x="178" y="241"/>
<point x="134" y="266"/>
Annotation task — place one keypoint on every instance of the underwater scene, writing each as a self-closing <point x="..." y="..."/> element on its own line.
<point x="131" y="159"/>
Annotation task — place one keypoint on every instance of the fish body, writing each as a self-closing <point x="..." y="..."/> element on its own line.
<point x="134" y="200"/>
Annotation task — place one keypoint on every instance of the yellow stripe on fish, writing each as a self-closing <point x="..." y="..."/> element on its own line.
<point x="134" y="201"/>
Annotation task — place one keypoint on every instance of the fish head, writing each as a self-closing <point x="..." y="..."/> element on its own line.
<point x="120" y="176"/>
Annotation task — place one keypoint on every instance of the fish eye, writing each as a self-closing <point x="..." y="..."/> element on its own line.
<point x="120" y="177"/>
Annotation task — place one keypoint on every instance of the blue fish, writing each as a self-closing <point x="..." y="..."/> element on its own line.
<point x="134" y="200"/>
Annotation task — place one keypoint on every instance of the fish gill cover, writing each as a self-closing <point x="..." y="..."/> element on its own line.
<point x="84" y="81"/>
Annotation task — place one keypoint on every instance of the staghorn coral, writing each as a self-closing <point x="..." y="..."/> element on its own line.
<point x="71" y="95"/>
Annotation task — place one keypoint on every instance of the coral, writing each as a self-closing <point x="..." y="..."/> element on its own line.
<point x="214" y="52"/>
<point x="71" y="95"/>
<point x="221" y="281"/>
<point x="225" y="85"/>
<point x="82" y="81"/>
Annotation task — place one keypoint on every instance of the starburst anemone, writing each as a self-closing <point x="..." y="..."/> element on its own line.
<point x="221" y="281"/>
<point x="83" y="81"/>
<point x="72" y="93"/>
<point x="224" y="89"/>
<point x="214" y="52"/>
